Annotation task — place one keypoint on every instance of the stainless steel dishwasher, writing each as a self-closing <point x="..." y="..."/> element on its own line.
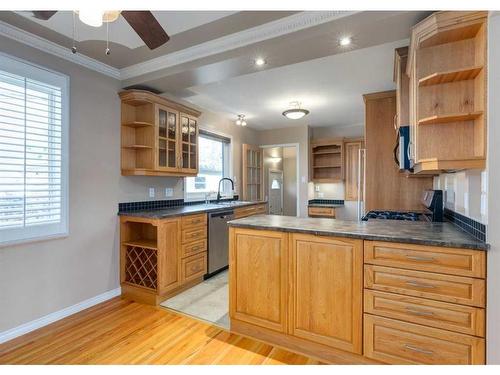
<point x="218" y="241"/>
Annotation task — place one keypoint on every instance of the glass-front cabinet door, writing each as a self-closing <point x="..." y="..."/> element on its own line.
<point x="167" y="138"/>
<point x="189" y="143"/>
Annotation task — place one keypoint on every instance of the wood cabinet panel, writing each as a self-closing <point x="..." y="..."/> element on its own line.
<point x="250" y="210"/>
<point x="194" y="234"/>
<point x="321" y="211"/>
<point x="351" y="150"/>
<point x="396" y="342"/>
<point x="456" y="289"/>
<point x="193" y="248"/>
<point x="193" y="267"/>
<point x="327" y="291"/>
<point x="168" y="252"/>
<point x="460" y="262"/>
<point x="190" y="221"/>
<point x="452" y="317"/>
<point x="259" y="277"/>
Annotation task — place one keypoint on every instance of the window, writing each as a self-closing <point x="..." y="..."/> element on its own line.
<point x="213" y="165"/>
<point x="33" y="151"/>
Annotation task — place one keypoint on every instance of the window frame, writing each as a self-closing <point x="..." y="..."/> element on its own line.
<point x="43" y="232"/>
<point x="192" y="197"/>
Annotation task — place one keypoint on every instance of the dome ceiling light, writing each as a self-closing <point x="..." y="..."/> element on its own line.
<point x="295" y="112"/>
<point x="241" y="120"/>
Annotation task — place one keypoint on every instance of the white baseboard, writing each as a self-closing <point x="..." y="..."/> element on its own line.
<point x="55" y="316"/>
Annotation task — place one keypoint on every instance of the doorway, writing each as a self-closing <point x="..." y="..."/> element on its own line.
<point x="275" y="189"/>
<point x="280" y="163"/>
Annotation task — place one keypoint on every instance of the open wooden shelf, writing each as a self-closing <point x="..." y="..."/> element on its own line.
<point x="462" y="74"/>
<point x="137" y="124"/>
<point x="326" y="152"/>
<point x="145" y="243"/>
<point x="451" y="117"/>
<point x="138" y="147"/>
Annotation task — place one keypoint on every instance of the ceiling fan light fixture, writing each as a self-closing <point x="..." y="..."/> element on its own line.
<point x="91" y="17"/>
<point x="295" y="113"/>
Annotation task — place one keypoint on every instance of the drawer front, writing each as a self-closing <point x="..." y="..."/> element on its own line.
<point x="193" y="267"/>
<point x="193" y="248"/>
<point x="190" y="235"/>
<point x="321" y="211"/>
<point x="463" y="319"/>
<point x="456" y="289"/>
<point x="251" y="210"/>
<point x="460" y="262"/>
<point x="194" y="220"/>
<point x="396" y="342"/>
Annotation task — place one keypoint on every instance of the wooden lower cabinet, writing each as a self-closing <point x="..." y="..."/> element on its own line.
<point x="326" y="290"/>
<point x="193" y="267"/>
<point x="328" y="212"/>
<point x="255" y="209"/>
<point x="303" y="286"/>
<point x="396" y="342"/>
<point x="169" y="241"/>
<point x="258" y="264"/>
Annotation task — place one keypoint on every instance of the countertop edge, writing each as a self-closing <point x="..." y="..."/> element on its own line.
<point x="373" y="237"/>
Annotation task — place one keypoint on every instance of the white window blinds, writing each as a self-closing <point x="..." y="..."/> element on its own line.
<point x="33" y="151"/>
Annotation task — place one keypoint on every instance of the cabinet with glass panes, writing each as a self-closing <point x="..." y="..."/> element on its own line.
<point x="159" y="137"/>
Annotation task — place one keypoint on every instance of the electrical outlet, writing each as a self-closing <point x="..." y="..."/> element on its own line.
<point x="169" y="192"/>
<point x="151" y="192"/>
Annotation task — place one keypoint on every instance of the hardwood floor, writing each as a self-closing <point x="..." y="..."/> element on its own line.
<point x="124" y="332"/>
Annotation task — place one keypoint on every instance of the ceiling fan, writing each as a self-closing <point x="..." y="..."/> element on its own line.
<point x="143" y="22"/>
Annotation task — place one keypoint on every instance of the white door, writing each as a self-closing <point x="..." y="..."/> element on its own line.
<point x="275" y="192"/>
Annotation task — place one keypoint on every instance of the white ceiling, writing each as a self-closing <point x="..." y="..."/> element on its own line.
<point x="174" y="22"/>
<point x="330" y="87"/>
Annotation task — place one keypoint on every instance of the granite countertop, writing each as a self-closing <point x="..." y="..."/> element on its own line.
<point x="437" y="234"/>
<point x="187" y="209"/>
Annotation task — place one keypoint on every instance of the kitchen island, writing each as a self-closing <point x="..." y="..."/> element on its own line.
<point x="350" y="292"/>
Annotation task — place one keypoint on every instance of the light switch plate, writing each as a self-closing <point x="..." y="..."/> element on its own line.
<point x="316" y="188"/>
<point x="151" y="192"/>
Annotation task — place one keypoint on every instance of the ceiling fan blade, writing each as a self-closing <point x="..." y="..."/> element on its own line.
<point x="147" y="27"/>
<point x="43" y="14"/>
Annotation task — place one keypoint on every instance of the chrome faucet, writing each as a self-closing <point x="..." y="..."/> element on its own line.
<point x="218" y="191"/>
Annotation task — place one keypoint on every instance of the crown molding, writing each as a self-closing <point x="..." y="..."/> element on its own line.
<point x="243" y="38"/>
<point x="274" y="29"/>
<point x="47" y="46"/>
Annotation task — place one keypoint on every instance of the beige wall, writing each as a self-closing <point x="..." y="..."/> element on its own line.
<point x="298" y="135"/>
<point x="493" y="231"/>
<point x="40" y="278"/>
<point x="289" y="181"/>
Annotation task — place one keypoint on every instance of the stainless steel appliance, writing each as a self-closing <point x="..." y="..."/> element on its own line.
<point x="432" y="200"/>
<point x="218" y="240"/>
<point x="402" y="149"/>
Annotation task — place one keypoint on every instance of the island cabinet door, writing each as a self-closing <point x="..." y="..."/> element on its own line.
<point x="326" y="291"/>
<point x="169" y="244"/>
<point x="258" y="267"/>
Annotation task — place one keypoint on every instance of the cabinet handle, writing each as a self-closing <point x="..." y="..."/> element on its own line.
<point x="419" y="312"/>
<point x="418" y="350"/>
<point x="420" y="285"/>
<point x="420" y="258"/>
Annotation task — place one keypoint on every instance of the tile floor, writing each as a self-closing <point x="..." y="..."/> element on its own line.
<point x="207" y="301"/>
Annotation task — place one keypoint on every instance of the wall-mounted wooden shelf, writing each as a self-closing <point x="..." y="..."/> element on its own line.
<point x="462" y="74"/>
<point x="327" y="166"/>
<point x="137" y="124"/>
<point x="326" y="152"/>
<point x="452" y="117"/>
<point x="326" y="160"/>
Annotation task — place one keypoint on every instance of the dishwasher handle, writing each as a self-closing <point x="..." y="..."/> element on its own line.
<point x="222" y="215"/>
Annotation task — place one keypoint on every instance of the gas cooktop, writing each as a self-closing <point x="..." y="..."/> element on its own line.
<point x="395" y="215"/>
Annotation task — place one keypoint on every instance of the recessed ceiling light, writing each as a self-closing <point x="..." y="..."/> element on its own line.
<point x="345" y="41"/>
<point x="260" y="61"/>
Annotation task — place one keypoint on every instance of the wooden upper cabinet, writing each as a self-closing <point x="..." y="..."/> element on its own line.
<point x="259" y="278"/>
<point x="402" y="81"/>
<point x="159" y="137"/>
<point x="326" y="160"/>
<point x="447" y="66"/>
<point x="352" y="168"/>
<point x="327" y="278"/>
<point x="252" y="172"/>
